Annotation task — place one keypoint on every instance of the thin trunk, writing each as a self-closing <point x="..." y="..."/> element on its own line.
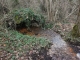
<point x="76" y="28"/>
<point x="78" y="20"/>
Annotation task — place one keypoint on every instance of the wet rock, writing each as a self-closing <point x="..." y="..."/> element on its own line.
<point x="78" y="55"/>
<point x="59" y="42"/>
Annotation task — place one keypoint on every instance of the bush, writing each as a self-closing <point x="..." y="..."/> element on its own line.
<point x="71" y="39"/>
<point x="27" y="16"/>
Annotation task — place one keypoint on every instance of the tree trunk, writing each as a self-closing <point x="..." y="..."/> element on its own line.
<point x="76" y="29"/>
<point x="78" y="21"/>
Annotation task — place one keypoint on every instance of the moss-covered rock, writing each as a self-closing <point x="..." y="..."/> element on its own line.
<point x="75" y="31"/>
<point x="73" y="37"/>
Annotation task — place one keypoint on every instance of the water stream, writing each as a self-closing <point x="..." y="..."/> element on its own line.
<point x="60" y="47"/>
<point x="60" y="50"/>
<point x="59" y="42"/>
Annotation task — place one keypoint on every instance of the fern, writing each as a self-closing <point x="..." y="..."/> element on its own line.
<point x="27" y="15"/>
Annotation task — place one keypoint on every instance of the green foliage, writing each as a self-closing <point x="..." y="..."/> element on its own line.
<point x="15" y="42"/>
<point x="73" y="36"/>
<point x="27" y="15"/>
<point x="73" y="40"/>
<point x="48" y="25"/>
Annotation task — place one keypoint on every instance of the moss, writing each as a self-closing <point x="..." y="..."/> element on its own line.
<point x="75" y="31"/>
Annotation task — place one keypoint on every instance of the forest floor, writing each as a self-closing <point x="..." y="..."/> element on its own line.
<point x="60" y="50"/>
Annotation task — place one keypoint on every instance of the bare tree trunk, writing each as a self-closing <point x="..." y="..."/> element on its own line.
<point x="78" y="20"/>
<point x="76" y="28"/>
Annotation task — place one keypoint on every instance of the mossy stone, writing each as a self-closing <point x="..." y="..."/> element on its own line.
<point x="75" y="31"/>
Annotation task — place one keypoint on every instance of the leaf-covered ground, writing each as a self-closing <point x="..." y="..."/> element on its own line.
<point x="16" y="46"/>
<point x="61" y="53"/>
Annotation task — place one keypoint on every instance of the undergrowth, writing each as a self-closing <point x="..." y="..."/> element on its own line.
<point x="13" y="41"/>
<point x="17" y="44"/>
<point x="27" y="17"/>
<point x="71" y="39"/>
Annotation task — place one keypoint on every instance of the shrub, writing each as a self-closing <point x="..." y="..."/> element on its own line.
<point x="71" y="39"/>
<point x="26" y="15"/>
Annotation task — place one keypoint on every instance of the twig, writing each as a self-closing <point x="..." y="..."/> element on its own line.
<point x="74" y="9"/>
<point x="55" y="14"/>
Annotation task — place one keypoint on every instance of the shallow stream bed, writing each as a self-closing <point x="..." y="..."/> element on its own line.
<point x="60" y="50"/>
